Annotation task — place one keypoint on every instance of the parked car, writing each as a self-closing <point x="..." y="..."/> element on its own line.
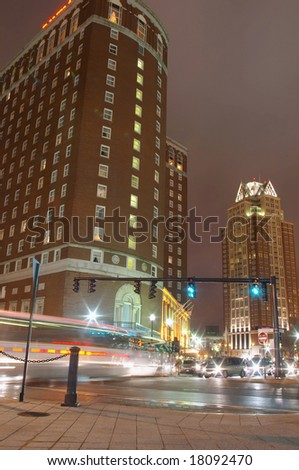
<point x="259" y="366"/>
<point x="225" y="367"/>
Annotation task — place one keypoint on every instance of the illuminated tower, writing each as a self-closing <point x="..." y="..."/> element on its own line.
<point x="258" y="243"/>
<point x="83" y="148"/>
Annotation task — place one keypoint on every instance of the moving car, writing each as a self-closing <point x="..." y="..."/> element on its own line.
<point x="225" y="367"/>
<point x="259" y="366"/>
<point x="188" y="366"/>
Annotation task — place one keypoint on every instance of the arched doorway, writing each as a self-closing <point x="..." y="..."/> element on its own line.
<point x="127" y="307"/>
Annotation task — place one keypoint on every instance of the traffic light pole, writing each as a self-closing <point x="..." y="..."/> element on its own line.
<point x="224" y="280"/>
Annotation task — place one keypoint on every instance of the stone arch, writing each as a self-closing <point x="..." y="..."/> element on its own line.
<point x="127" y="307"/>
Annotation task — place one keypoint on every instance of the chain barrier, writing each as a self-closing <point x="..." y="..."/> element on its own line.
<point x="34" y="361"/>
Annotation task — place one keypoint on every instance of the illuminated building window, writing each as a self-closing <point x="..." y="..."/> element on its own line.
<point x="156" y="194"/>
<point x="115" y="12"/>
<point x="131" y="263"/>
<point x="141" y="27"/>
<point x="98" y="233"/>
<point x="132" y="242"/>
<point x="171" y="156"/>
<point x="157" y="159"/>
<point x="154" y="251"/>
<point x="74" y="21"/>
<point x="133" y="221"/>
<point x="51" y="42"/>
<point x="134" y="182"/>
<point x="136" y="163"/>
<point x="102" y="191"/>
<point x="137" y="127"/>
<point x="139" y="79"/>
<point x="157" y="176"/>
<point x="158" y="143"/>
<point x="137" y="145"/>
<point x="134" y="201"/>
<point x="62" y="32"/>
<point x="140" y="64"/>
<point x="66" y="170"/>
<point x="138" y="110"/>
<point x="67" y="72"/>
<point x="103" y="170"/>
<point x="139" y="94"/>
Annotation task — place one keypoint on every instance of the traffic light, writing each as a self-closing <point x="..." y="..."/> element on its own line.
<point x="76" y="285"/>
<point x="137" y="287"/>
<point x="91" y="286"/>
<point x="191" y="289"/>
<point x="153" y="289"/>
<point x="255" y="288"/>
<point x="264" y="291"/>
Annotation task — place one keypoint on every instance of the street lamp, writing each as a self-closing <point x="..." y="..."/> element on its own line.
<point x="152" y="318"/>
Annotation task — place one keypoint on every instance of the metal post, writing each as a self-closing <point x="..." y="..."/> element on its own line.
<point x="36" y="269"/>
<point x="275" y="327"/>
<point x="70" y="398"/>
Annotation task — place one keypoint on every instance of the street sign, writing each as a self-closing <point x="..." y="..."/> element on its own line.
<point x="263" y="337"/>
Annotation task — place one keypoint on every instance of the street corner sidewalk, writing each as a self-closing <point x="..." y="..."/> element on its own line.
<point x="46" y="425"/>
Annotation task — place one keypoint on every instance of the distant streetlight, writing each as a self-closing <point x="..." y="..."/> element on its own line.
<point x="152" y="318"/>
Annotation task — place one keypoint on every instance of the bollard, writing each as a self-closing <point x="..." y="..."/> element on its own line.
<point x="70" y="398"/>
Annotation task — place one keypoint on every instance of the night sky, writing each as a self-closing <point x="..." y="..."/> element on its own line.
<point x="233" y="101"/>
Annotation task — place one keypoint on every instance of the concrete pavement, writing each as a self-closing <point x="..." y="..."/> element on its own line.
<point x="45" y="424"/>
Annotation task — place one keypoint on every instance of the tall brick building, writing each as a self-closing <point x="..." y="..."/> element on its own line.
<point x="248" y="251"/>
<point x="85" y="164"/>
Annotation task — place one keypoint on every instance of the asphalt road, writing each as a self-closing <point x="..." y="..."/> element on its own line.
<point x="183" y="392"/>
